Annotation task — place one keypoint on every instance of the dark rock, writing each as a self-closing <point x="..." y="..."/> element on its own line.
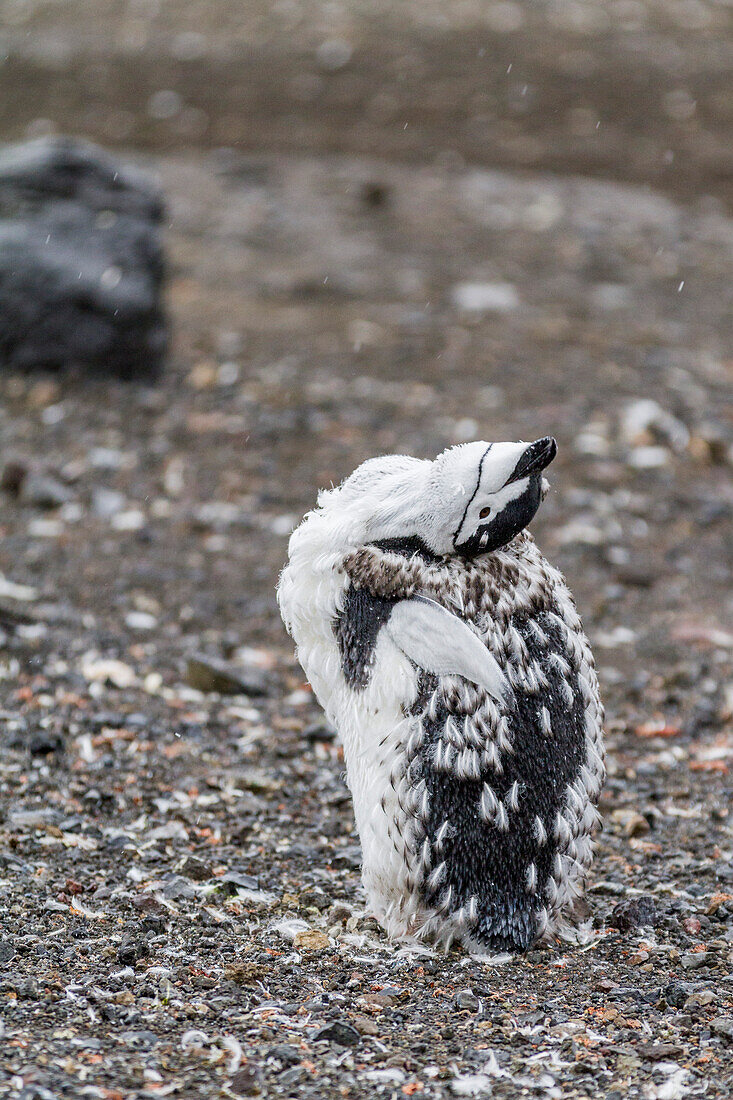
<point x="44" y="492"/>
<point x="723" y="1027"/>
<point x="319" y="731"/>
<point x="130" y="951"/>
<point x="695" y="960"/>
<point x="210" y="674"/>
<point x="338" y="1032"/>
<point x="466" y="1001"/>
<point x="195" y="869"/>
<point x="148" y="905"/>
<point x="176" y="888"/>
<point x="7" y="951"/>
<point x="81" y="261"/>
<point x="139" y="1040"/>
<point x="349" y="856"/>
<point x="316" y="897"/>
<point x="676" y="994"/>
<point x="246" y="1081"/>
<point x="12" y="478"/>
<point x="285" y="1053"/>
<point x="659" y="1052"/>
<point x="44" y="742"/>
<point x="633" y="913"/>
<point x="236" y="880"/>
<point x="27" y="988"/>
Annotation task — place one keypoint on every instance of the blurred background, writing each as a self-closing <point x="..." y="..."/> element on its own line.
<point x="307" y="233"/>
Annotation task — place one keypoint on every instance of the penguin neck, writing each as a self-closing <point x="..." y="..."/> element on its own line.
<point x="408" y="546"/>
<point x="395" y="569"/>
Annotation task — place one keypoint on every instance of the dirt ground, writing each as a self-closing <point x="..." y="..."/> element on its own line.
<point x="180" y="909"/>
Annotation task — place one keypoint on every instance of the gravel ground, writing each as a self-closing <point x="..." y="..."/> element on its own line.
<point x="179" y="872"/>
<point x="180" y="909"/>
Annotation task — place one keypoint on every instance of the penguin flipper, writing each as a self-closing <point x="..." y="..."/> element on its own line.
<point x="438" y="641"/>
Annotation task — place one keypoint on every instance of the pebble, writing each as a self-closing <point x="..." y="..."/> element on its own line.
<point x="245" y="972"/>
<point x="696" y="960"/>
<point x="485" y="297"/>
<point x="107" y="502"/>
<point x="7" y="951"/>
<point x="310" y="939"/>
<point x="209" y="674"/>
<point x="233" y="881"/>
<point x="178" y="889"/>
<point x="633" y="913"/>
<point x="344" y="1035"/>
<point x="723" y="1027"/>
<point x="316" y="897"/>
<point x="247" y="1081"/>
<point x="632" y="823"/>
<point x="41" y="491"/>
<point x="466" y="1001"/>
<point x="197" y="869"/>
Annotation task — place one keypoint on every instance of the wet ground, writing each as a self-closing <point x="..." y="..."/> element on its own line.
<point x="179" y="883"/>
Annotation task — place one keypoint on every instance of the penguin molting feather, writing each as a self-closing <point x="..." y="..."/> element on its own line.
<point x="449" y="655"/>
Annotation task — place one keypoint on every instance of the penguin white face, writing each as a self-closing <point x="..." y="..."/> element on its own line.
<point x="472" y="499"/>
<point x="500" y="487"/>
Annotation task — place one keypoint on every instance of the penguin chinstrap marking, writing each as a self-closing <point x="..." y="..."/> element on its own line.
<point x="449" y="655"/>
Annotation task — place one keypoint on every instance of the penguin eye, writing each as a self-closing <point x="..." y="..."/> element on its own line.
<point x="484" y="513"/>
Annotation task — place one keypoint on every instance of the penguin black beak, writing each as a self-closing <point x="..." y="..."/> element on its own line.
<point x="536" y="457"/>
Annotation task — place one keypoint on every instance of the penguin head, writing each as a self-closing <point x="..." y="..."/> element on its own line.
<point x="470" y="500"/>
<point x="491" y="491"/>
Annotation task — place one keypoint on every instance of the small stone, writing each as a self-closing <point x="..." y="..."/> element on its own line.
<point x="700" y="999"/>
<point x="45" y="742"/>
<point x="285" y="1053"/>
<point x="40" y="491"/>
<point x="319" y="731"/>
<point x="210" y="674"/>
<point x="334" y="54"/>
<point x="7" y="951"/>
<point x="129" y="952"/>
<point x="466" y="1001"/>
<point x="177" y="888"/>
<point x="344" y="1035"/>
<point x="107" y="502"/>
<point x="111" y="671"/>
<point x="148" y="905"/>
<point x="52" y="906"/>
<point x="140" y="620"/>
<point x="195" y="869"/>
<point x="12" y="478"/>
<point x="691" y="925"/>
<point x="633" y="913"/>
<point x="644" y="421"/>
<point x="246" y="1081"/>
<point x="632" y="823"/>
<point x="723" y="1027"/>
<point x="364" y="1025"/>
<point x="233" y="881"/>
<point x="696" y="960"/>
<point x="310" y="939"/>
<point x="486" y="297"/>
<point x="314" y="896"/>
<point x="246" y="973"/>
<point x="340" y="911"/>
<point x="27" y="988"/>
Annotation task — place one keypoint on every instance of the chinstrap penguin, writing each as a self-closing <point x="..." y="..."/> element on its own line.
<point x="449" y="655"/>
